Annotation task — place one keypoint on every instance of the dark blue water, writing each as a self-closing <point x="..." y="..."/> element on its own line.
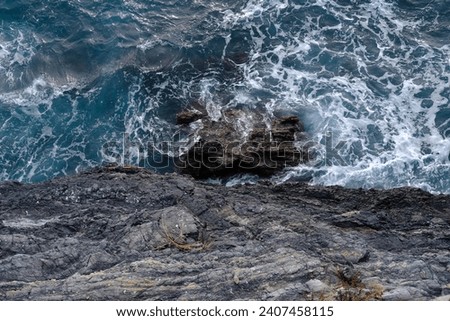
<point x="370" y="79"/>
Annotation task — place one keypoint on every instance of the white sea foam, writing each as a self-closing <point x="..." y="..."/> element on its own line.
<point x="364" y="72"/>
<point x="375" y="108"/>
<point x="16" y="51"/>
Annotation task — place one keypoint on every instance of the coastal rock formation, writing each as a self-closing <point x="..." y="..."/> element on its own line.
<point x="242" y="142"/>
<point x="134" y="235"/>
<point x="188" y="116"/>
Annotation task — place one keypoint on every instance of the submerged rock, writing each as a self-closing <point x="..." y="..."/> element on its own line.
<point x="242" y="142"/>
<point x="121" y="235"/>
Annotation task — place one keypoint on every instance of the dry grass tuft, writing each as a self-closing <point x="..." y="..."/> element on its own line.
<point x="350" y="287"/>
<point x="181" y="243"/>
<point x="349" y="279"/>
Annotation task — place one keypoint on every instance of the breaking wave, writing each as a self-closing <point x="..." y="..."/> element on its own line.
<point x="369" y="79"/>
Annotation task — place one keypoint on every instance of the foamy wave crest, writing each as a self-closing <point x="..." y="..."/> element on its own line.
<point x="369" y="84"/>
<point x="369" y="79"/>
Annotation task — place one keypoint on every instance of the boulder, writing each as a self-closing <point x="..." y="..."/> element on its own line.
<point x="243" y="142"/>
<point x="188" y="116"/>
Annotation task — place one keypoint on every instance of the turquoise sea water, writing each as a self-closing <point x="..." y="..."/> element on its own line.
<point x="369" y="79"/>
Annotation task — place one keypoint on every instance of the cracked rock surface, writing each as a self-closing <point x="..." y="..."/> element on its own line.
<point x="113" y="235"/>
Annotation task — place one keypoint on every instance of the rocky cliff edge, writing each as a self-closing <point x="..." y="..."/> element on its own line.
<point x="129" y="234"/>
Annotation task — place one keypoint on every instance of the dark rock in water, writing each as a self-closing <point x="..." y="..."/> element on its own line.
<point x="115" y="234"/>
<point x="243" y="142"/>
<point x="188" y="116"/>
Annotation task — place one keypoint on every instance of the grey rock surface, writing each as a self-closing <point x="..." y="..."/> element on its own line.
<point x="135" y="235"/>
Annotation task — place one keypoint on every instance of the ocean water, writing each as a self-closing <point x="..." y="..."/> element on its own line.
<point x="83" y="82"/>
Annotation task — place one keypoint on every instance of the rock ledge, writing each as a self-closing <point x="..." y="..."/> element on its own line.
<point x="115" y="235"/>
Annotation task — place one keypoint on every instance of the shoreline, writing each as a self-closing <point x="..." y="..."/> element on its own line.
<point x="121" y="235"/>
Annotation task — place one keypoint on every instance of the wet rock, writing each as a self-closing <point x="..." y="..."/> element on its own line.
<point x="188" y="116"/>
<point x="244" y="142"/>
<point x="112" y="234"/>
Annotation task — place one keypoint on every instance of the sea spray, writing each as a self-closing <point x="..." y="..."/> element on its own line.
<point x="369" y="79"/>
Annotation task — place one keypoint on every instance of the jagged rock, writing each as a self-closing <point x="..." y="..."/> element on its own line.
<point x="134" y="235"/>
<point x="188" y="116"/>
<point x="242" y="142"/>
